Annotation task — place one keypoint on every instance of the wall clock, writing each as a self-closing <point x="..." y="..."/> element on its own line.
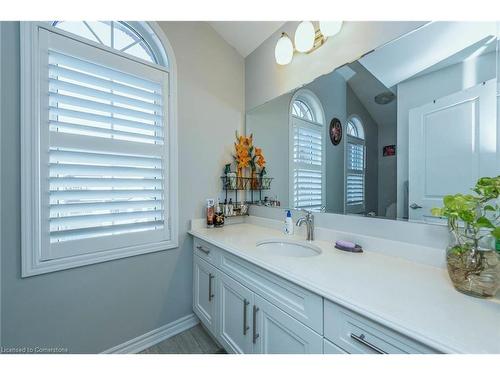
<point x="335" y="131"/>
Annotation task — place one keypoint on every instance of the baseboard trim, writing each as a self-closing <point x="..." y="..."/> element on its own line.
<point x="155" y="336"/>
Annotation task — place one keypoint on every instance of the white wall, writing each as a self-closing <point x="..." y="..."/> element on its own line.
<point x="424" y="89"/>
<point x="265" y="80"/>
<point x="93" y="308"/>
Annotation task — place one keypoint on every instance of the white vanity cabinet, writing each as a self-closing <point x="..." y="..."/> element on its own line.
<point x="251" y="310"/>
<point x="204" y="297"/>
<point x="232" y="299"/>
<point x="276" y="332"/>
<point x="235" y="316"/>
<point x="356" y="334"/>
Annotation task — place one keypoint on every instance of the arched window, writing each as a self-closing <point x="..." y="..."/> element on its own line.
<point x="355" y="166"/>
<point x="355" y="128"/>
<point x="307" y="149"/>
<point x="102" y="138"/>
<point x="301" y="110"/>
<point x="133" y="38"/>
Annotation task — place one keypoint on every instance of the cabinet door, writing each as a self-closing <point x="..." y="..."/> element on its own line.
<point x="276" y="332"/>
<point x="235" y="325"/>
<point x="330" y="348"/>
<point x="204" y="297"/>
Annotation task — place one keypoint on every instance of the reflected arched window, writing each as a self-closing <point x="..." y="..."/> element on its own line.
<point x="355" y="166"/>
<point x="302" y="110"/>
<point x="355" y="128"/>
<point x="307" y="151"/>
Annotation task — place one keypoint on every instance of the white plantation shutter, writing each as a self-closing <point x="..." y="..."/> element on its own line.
<point x="107" y="150"/>
<point x="355" y="169"/>
<point x="308" y="163"/>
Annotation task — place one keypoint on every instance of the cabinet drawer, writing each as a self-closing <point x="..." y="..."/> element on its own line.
<point x="300" y="303"/>
<point x="357" y="334"/>
<point x="206" y="251"/>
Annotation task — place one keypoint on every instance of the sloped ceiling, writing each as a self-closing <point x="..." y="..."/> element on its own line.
<point x="245" y="36"/>
<point x="417" y="51"/>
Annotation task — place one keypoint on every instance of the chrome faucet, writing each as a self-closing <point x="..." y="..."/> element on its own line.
<point x="309" y="220"/>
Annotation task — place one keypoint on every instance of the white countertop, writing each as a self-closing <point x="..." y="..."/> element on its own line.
<point x="414" y="299"/>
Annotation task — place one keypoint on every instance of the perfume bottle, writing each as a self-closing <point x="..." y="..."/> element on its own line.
<point x="210" y="213"/>
<point x="218" y="216"/>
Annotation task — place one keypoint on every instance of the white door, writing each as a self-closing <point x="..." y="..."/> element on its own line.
<point x="276" y="332"/>
<point x="453" y="142"/>
<point x="235" y="323"/>
<point x="204" y="298"/>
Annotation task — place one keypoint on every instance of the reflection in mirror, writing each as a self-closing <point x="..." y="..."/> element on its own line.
<point x="391" y="133"/>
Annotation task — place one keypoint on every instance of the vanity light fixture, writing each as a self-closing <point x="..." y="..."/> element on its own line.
<point x="304" y="36"/>
<point x="283" y="52"/>
<point x="330" y="28"/>
<point x="306" y="39"/>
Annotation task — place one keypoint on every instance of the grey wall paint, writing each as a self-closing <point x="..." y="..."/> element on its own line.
<point x="354" y="107"/>
<point x="269" y="124"/>
<point x="92" y="308"/>
<point x="387" y="168"/>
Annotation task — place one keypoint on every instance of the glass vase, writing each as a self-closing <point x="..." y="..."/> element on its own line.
<point x="473" y="266"/>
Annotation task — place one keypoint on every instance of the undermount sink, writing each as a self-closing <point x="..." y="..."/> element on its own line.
<point x="289" y="248"/>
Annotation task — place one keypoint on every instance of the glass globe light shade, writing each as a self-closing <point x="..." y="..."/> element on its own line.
<point x="283" y="52"/>
<point x="304" y="36"/>
<point x="330" y="28"/>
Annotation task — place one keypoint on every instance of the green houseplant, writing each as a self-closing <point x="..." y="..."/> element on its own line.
<point x="474" y="223"/>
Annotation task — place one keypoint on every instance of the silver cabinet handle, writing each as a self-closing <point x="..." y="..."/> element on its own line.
<point x="245" y="326"/>
<point x="415" y="206"/>
<point x="210" y="294"/>
<point x="201" y="248"/>
<point x="361" y="340"/>
<point x="255" y="334"/>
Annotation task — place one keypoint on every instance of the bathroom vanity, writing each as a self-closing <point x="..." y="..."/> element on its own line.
<point x="255" y="300"/>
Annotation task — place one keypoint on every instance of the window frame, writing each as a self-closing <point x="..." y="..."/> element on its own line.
<point x="32" y="221"/>
<point x="317" y="112"/>
<point x="356" y="121"/>
<point x="143" y="32"/>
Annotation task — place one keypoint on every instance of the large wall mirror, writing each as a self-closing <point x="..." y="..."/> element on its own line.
<point x="390" y="134"/>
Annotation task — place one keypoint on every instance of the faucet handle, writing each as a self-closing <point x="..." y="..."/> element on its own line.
<point x="309" y="214"/>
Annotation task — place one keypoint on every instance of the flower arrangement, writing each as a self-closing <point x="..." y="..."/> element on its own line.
<point x="246" y="155"/>
<point x="244" y="149"/>
<point x="259" y="158"/>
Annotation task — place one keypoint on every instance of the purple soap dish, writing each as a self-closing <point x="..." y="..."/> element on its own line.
<point x="348" y="246"/>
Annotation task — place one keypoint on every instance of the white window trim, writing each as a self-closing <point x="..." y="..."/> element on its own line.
<point x="31" y="262"/>
<point x="318" y="107"/>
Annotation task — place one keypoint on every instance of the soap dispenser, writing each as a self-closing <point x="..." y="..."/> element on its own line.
<point x="288" y="229"/>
